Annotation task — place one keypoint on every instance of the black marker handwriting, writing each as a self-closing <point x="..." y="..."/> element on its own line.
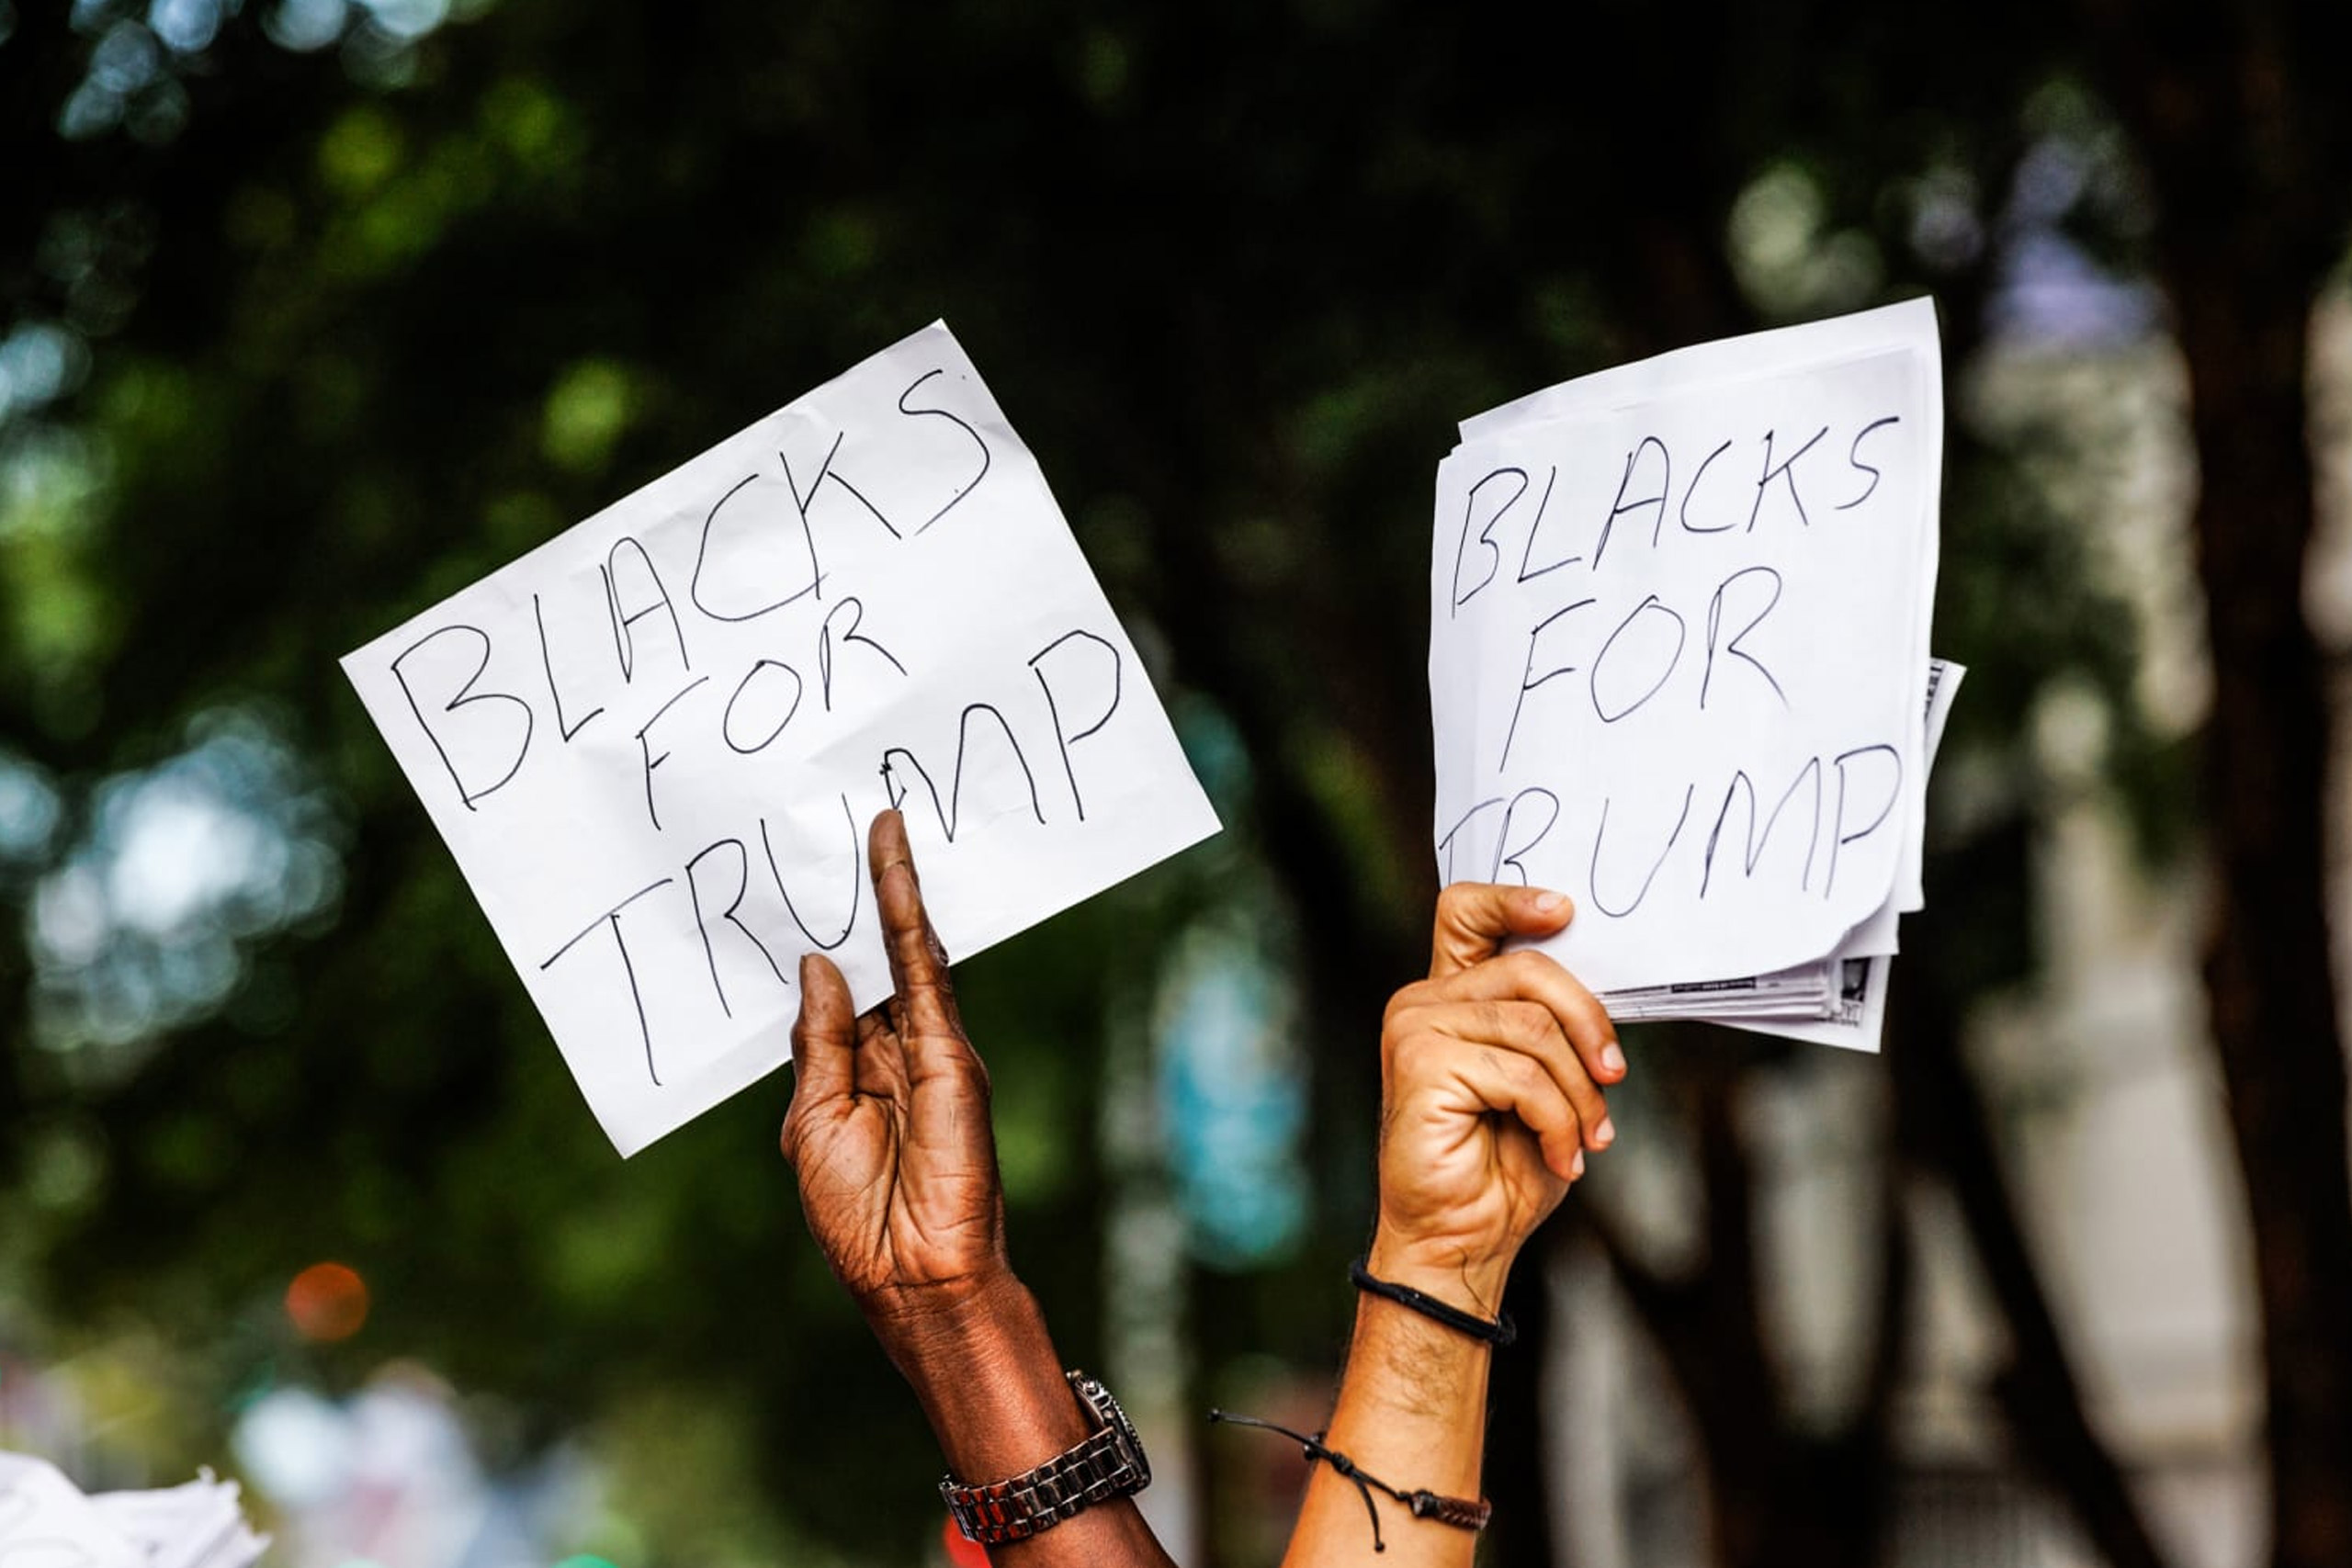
<point x="814" y="585"/>
<point x="624" y="619"/>
<point x="554" y="696"/>
<point x="1621" y="506"/>
<point x="950" y="817"/>
<point x="1526" y="572"/>
<point x="1600" y="836"/>
<point x="857" y="880"/>
<point x="1854" y="458"/>
<point x="1714" y="626"/>
<point x="1062" y="737"/>
<point x="734" y="903"/>
<point x="727" y="722"/>
<point x="1756" y="844"/>
<point x="467" y="697"/>
<point x="1601" y="659"/>
<point x="646" y="752"/>
<point x="849" y="634"/>
<point x="1486" y="532"/>
<point x="1786" y="471"/>
<point x="1529" y="680"/>
<point x="612" y="918"/>
<point x="969" y="485"/>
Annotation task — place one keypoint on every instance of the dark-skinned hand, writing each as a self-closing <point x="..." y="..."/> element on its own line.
<point x="888" y="1130"/>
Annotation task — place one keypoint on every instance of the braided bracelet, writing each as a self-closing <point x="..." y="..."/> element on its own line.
<point x="1501" y="1331"/>
<point x="1459" y="1512"/>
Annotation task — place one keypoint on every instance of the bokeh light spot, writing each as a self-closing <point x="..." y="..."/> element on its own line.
<point x="962" y="1549"/>
<point x="327" y="1301"/>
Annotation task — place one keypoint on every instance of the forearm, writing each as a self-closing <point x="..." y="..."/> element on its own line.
<point x="1411" y="1411"/>
<point x="991" y="1385"/>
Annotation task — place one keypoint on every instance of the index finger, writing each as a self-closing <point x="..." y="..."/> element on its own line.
<point x="918" y="962"/>
<point x="1538" y="977"/>
<point x="1473" y="918"/>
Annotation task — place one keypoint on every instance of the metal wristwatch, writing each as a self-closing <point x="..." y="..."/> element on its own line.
<point x="1109" y="1464"/>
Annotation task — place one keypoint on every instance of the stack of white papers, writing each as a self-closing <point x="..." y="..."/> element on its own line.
<point x="1679" y="667"/>
<point x="47" y="1522"/>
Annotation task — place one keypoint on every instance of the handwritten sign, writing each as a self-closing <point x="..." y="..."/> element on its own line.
<point x="654" y="743"/>
<point x="1679" y="613"/>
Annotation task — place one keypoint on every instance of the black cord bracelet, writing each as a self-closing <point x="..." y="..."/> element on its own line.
<point x="1459" y="1512"/>
<point x="1501" y="1331"/>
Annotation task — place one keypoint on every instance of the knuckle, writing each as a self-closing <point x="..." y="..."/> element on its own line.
<point x="1410" y="1057"/>
<point x="1527" y="969"/>
<point x="1406" y="1000"/>
<point x="1515" y="1070"/>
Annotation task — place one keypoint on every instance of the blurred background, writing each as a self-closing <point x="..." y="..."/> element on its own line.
<point x="313" y="311"/>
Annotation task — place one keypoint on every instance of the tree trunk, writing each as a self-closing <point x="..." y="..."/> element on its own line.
<point x="1941" y="1116"/>
<point x="2245" y="148"/>
<point x="2269" y="988"/>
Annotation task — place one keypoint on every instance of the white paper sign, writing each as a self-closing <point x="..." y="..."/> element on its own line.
<point x="655" y="742"/>
<point x="1679" y="630"/>
<point x="45" y="1522"/>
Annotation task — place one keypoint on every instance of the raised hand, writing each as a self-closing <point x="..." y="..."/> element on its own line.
<point x="888" y="1130"/>
<point x="1491" y="1071"/>
<point x="888" y="1134"/>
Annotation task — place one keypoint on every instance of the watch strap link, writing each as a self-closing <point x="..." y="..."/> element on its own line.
<point x="1061" y="1488"/>
<point x="1107" y="1465"/>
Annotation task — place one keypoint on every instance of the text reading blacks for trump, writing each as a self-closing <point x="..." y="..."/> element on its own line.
<point x="1676" y="660"/>
<point x="655" y="743"/>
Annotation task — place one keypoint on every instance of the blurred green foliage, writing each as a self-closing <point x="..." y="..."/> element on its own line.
<point x="359" y="309"/>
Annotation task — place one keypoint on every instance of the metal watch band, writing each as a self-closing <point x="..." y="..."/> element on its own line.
<point x="1108" y="1465"/>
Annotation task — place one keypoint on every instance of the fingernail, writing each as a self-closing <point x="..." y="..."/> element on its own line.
<point x="902" y="869"/>
<point x="1604" y="1134"/>
<point x="1613" y="1060"/>
<point x="1547" y="902"/>
<point x="807" y="960"/>
<point x="1576" y="1166"/>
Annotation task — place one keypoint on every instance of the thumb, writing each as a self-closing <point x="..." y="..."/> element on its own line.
<point x="823" y="1042"/>
<point x="1474" y="918"/>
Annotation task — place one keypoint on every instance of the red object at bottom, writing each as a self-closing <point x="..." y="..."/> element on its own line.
<point x="962" y="1549"/>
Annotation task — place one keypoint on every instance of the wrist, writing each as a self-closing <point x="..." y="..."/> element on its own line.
<point x="1465" y="1277"/>
<point x="943" y="1312"/>
<point x="985" y="1370"/>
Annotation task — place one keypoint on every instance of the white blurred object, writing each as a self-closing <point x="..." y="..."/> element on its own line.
<point x="46" y="1522"/>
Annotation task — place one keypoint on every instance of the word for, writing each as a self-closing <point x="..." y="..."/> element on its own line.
<point x="1639" y="654"/>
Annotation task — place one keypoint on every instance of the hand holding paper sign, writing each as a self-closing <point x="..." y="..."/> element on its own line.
<point x="1489" y="1071"/>
<point x="889" y="1136"/>
<point x="1492" y="1067"/>
<point x="888" y="1130"/>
